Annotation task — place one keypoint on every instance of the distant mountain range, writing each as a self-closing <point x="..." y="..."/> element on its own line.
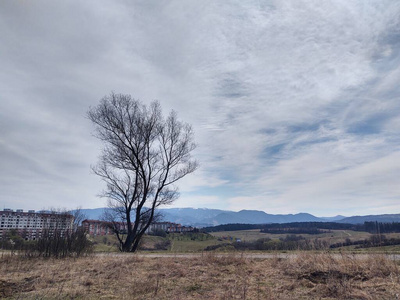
<point x="202" y="217"/>
<point x="388" y="218"/>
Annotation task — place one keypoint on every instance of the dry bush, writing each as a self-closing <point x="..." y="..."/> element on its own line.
<point x="223" y="259"/>
<point x="345" y="276"/>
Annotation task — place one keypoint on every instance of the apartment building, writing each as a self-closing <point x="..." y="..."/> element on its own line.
<point x="97" y="227"/>
<point x="31" y="224"/>
<point x="169" y="227"/>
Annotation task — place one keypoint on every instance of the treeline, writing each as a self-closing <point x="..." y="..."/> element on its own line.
<point x="376" y="240"/>
<point x="378" y="227"/>
<point x="282" y="227"/>
<point x="231" y="227"/>
<point x="309" y="227"/>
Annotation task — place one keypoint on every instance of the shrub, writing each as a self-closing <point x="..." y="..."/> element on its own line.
<point x="52" y="243"/>
<point x="164" y="245"/>
<point x="158" y="232"/>
<point x="56" y="244"/>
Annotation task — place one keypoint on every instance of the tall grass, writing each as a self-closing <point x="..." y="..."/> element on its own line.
<point x="344" y="275"/>
<point x="208" y="276"/>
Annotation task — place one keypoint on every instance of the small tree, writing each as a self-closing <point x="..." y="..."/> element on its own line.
<point x="144" y="155"/>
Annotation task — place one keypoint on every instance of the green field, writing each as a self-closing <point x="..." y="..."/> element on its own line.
<point x="197" y="242"/>
<point x="192" y="246"/>
<point x="333" y="236"/>
<point x="178" y="242"/>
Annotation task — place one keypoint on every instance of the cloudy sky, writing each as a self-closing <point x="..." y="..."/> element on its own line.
<point x="295" y="104"/>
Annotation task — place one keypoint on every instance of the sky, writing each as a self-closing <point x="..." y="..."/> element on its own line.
<point x="295" y="105"/>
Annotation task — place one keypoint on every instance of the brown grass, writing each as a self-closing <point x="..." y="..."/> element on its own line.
<point x="305" y="276"/>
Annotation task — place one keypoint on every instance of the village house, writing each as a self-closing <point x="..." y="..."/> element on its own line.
<point x="97" y="227"/>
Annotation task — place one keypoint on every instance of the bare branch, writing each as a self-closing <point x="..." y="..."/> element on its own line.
<point x="144" y="155"/>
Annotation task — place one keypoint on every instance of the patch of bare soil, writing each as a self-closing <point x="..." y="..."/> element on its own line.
<point x="11" y="288"/>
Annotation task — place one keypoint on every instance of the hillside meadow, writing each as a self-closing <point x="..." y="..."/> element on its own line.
<point x="197" y="242"/>
<point x="306" y="275"/>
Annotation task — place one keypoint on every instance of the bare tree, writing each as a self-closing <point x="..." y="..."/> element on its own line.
<point x="79" y="216"/>
<point x="144" y="155"/>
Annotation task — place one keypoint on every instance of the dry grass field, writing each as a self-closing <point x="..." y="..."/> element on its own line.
<point x="304" y="276"/>
<point x="184" y="243"/>
<point x="333" y="236"/>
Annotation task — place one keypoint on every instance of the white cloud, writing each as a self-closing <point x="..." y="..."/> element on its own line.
<point x="280" y="94"/>
<point x="197" y="202"/>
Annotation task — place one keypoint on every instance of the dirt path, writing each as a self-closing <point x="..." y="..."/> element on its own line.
<point x="243" y="254"/>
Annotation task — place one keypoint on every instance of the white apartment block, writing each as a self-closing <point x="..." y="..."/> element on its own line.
<point x="31" y="224"/>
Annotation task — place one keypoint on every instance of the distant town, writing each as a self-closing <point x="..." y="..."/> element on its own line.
<point x="31" y="224"/>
